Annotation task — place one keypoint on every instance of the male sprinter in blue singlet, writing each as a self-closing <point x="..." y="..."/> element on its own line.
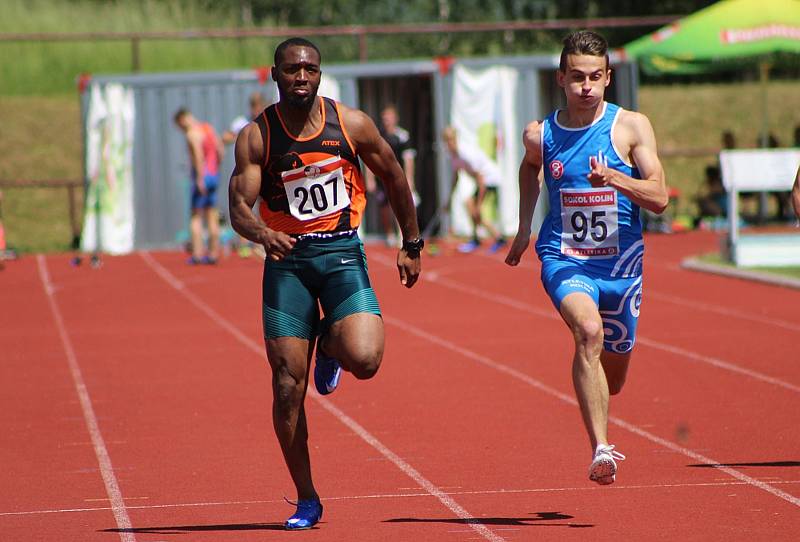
<point x="301" y="155"/>
<point x="600" y="166"/>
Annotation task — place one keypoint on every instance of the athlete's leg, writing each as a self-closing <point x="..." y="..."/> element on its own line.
<point x="352" y="332"/>
<point x="474" y="214"/>
<point x="478" y="217"/>
<point x="356" y="341"/>
<point x="196" y="229"/>
<point x="615" y="367"/>
<point x="289" y="358"/>
<point x="212" y="220"/>
<point x="581" y="314"/>
<point x="620" y="302"/>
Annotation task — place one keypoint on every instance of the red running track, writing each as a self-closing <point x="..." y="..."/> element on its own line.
<point x="136" y="407"/>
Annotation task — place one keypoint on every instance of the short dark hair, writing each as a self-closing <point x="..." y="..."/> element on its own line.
<point x="293" y="42"/>
<point x="180" y="113"/>
<point x="583" y="42"/>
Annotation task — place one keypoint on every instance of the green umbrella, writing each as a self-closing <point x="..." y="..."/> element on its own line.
<point x="726" y="35"/>
<point x="719" y="37"/>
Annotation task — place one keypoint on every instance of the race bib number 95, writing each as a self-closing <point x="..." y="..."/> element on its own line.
<point x="316" y="189"/>
<point x="589" y="224"/>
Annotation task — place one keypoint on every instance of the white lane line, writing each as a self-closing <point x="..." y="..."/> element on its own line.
<point x="489" y="362"/>
<point x="644" y="341"/>
<point x="448" y="502"/>
<point x="100" y="450"/>
<point x="719" y="363"/>
<point x="616" y="487"/>
<point x="568" y="399"/>
<point x="725" y="311"/>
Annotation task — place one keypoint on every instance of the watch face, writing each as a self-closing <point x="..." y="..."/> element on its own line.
<point x="414" y="245"/>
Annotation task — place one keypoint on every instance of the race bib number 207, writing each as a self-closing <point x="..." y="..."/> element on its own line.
<point x="316" y="190"/>
<point x="589" y="223"/>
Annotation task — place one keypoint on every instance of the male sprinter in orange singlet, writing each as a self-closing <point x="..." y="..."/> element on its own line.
<point x="301" y="156"/>
<point x="600" y="166"/>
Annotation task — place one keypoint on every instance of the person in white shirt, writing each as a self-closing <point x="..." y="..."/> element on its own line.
<point x="480" y="167"/>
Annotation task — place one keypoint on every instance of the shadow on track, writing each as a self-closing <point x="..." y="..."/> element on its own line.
<point x="536" y="520"/>
<point x="179" y="529"/>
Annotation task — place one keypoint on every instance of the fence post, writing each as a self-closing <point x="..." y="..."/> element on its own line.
<point x="135" y="57"/>
<point x="73" y="217"/>
<point x="362" y="45"/>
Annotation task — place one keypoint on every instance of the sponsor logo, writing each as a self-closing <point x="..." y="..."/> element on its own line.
<point x="597" y="251"/>
<point x="331" y="143"/>
<point x="348" y="261"/>
<point x="311" y="171"/>
<point x="601" y="159"/>
<point x="556" y="169"/>
<point x="588" y="199"/>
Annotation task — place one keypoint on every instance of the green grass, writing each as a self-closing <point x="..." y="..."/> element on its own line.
<point x="716" y="258"/>
<point x="40" y="138"/>
<point x="52" y="68"/>
<point x="694" y="116"/>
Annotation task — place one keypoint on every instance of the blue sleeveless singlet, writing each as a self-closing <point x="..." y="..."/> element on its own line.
<point x="598" y="229"/>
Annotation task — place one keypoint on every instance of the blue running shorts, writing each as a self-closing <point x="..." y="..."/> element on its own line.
<point x="209" y="199"/>
<point x="618" y="299"/>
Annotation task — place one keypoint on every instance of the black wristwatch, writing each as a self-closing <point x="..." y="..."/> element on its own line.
<point x="414" y="246"/>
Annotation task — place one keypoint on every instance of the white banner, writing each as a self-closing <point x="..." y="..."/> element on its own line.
<point x="108" y="224"/>
<point x="483" y="113"/>
<point x="759" y="169"/>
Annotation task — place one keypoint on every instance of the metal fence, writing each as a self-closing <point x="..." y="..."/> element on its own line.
<point x="161" y="166"/>
<point x="361" y="33"/>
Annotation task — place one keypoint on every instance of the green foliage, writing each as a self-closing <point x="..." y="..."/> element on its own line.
<point x="693" y="117"/>
<point x="40" y="138"/>
<point x="47" y="68"/>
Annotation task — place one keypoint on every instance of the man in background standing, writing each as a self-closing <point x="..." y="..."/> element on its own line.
<point x="400" y="142"/>
<point x="205" y="154"/>
<point x="257" y="104"/>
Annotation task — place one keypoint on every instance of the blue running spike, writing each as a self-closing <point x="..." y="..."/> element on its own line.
<point x="327" y="372"/>
<point x="308" y="514"/>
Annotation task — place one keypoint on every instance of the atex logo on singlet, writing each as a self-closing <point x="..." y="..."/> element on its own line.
<point x="331" y="143"/>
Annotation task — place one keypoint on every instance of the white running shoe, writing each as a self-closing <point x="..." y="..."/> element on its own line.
<point x="603" y="469"/>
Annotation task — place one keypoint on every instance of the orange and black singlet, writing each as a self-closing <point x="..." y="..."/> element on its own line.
<point x="311" y="184"/>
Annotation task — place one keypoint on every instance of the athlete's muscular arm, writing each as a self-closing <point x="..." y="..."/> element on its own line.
<point x="650" y="191"/>
<point x="379" y="157"/>
<point x="529" y="189"/>
<point x="244" y="189"/>
<point x="195" y="140"/>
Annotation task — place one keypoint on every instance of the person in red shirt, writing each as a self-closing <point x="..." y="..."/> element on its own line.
<point x="205" y="153"/>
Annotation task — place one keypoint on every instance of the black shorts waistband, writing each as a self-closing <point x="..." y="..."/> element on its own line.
<point x="324" y="235"/>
